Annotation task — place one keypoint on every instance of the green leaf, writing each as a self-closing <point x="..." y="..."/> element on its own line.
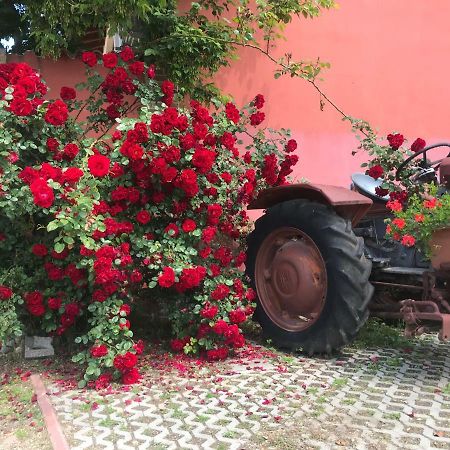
<point x="59" y="247"/>
<point x="53" y="225"/>
<point x="68" y="240"/>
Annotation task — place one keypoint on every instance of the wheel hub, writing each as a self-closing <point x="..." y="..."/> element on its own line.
<point x="291" y="279"/>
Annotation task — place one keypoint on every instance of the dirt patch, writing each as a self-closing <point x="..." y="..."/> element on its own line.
<point x="21" y="422"/>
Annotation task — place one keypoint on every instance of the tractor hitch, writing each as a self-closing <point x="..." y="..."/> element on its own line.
<point x="433" y="307"/>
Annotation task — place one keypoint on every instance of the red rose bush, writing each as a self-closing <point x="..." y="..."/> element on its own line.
<point x="386" y="157"/>
<point x="142" y="200"/>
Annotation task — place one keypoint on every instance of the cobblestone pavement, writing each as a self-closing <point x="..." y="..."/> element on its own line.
<point x="364" y="399"/>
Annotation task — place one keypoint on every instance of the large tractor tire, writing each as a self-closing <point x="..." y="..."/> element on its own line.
<point x="310" y="275"/>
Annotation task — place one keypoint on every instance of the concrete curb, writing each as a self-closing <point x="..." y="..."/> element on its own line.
<point x="52" y="424"/>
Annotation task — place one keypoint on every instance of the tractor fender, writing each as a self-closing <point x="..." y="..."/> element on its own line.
<point x="349" y="204"/>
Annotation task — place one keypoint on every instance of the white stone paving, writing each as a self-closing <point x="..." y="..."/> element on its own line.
<point x="364" y="399"/>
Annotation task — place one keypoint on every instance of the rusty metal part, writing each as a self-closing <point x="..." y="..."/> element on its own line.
<point x="378" y="209"/>
<point x="415" y="310"/>
<point x="440" y="246"/>
<point x="349" y="204"/>
<point x="434" y="306"/>
<point x="444" y="172"/>
<point x="444" y="334"/>
<point x="397" y="285"/>
<point x="291" y="279"/>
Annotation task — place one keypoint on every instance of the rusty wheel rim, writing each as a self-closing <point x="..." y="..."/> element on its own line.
<point x="291" y="279"/>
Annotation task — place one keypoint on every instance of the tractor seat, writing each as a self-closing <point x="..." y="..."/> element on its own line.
<point x="366" y="185"/>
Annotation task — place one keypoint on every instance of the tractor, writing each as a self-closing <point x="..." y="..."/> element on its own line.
<point x="319" y="252"/>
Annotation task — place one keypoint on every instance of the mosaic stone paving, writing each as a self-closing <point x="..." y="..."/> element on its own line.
<point x="364" y="399"/>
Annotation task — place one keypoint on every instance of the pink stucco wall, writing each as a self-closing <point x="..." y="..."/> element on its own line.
<point x="56" y="73"/>
<point x="390" y="65"/>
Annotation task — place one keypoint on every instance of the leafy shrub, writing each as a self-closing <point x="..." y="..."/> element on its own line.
<point x="125" y="197"/>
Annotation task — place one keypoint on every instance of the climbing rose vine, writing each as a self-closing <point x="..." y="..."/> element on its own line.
<point x="386" y="155"/>
<point x="115" y="195"/>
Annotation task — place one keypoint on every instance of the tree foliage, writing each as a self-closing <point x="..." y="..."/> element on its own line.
<point x="189" y="40"/>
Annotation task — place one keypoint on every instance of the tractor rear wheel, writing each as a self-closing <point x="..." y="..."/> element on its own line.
<point x="310" y="275"/>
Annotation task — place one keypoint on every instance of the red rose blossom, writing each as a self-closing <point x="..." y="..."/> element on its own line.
<point x="188" y="226"/>
<point x="167" y="277"/>
<point x="39" y="250"/>
<point x="36" y="310"/>
<point x="109" y="60"/>
<point x="214" y="212"/>
<point x="139" y="347"/>
<point x="375" y="172"/>
<point x="129" y="360"/>
<point x="72" y="309"/>
<point x="52" y="144"/>
<point x="228" y="140"/>
<point x="21" y="107"/>
<point x="257" y="118"/>
<point x="232" y="112"/>
<point x="57" y="113"/>
<point x="70" y="151"/>
<point x="418" y="145"/>
<point x="67" y="93"/>
<point x="430" y="204"/>
<point x="381" y="192"/>
<point x="126" y="309"/>
<point x="395" y="140"/>
<point x="191" y="277"/>
<point x="136" y="276"/>
<point x="291" y="146"/>
<point x="103" y="381"/>
<point x="217" y="354"/>
<point x="99" y="165"/>
<point x="99" y="350"/>
<point x="126" y="54"/>
<point x="172" y="230"/>
<point x="131" y="376"/>
<point x="220" y="292"/>
<point x="143" y="217"/>
<point x="89" y="58"/>
<point x="177" y="345"/>
<point x="208" y="312"/>
<point x="208" y="234"/>
<point x="54" y="303"/>
<point x="259" y="101"/>
<point x="151" y="71"/>
<point x="137" y="68"/>
<point x="203" y="159"/>
<point x="72" y="175"/>
<point x="43" y="195"/>
<point x="237" y="316"/>
<point x="5" y="292"/>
